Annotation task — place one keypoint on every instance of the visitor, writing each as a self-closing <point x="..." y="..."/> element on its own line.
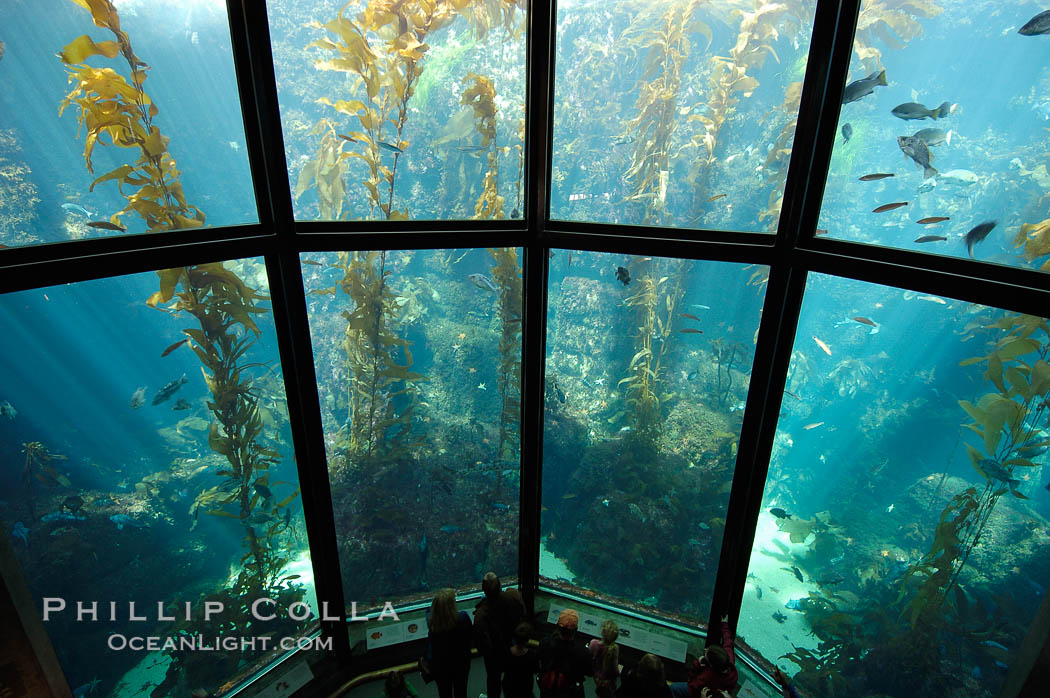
<point x="397" y="687"/>
<point x="715" y="668"/>
<point x="495" y="617"/>
<point x="448" y="645"/>
<point x="787" y="689"/>
<point x="519" y="673"/>
<point x="605" y="658"/>
<point x="646" y="680"/>
<point x="563" y="663"/>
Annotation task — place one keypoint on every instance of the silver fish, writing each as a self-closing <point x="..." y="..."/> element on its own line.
<point x="483" y="282"/>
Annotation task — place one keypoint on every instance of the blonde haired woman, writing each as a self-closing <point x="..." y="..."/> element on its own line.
<point x="448" y="645"/>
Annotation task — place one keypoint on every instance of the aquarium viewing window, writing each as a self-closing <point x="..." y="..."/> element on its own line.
<point x="684" y="309"/>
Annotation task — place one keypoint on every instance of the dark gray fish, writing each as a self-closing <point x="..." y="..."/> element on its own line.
<point x="779" y="617"/>
<point x="623" y="275"/>
<point x="1040" y="24"/>
<point x="263" y="490"/>
<point x="389" y="146"/>
<point x="916" y="149"/>
<point x="859" y="89"/>
<point x="168" y="390"/>
<point x="847" y="133"/>
<point x="182" y="404"/>
<point x="483" y="282"/>
<point x="515" y="214"/>
<point x="994" y="470"/>
<point x="979" y="233"/>
<point x="560" y="393"/>
<point x="933" y="136"/>
<point x="779" y="513"/>
<point x="914" y="110"/>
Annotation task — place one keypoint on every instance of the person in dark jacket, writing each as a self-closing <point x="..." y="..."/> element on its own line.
<point x="646" y="680"/>
<point x="448" y="645"/>
<point x="519" y="673"/>
<point x="563" y="662"/>
<point x="716" y="668"/>
<point x="495" y="618"/>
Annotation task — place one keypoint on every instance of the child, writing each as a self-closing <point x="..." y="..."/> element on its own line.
<point x="606" y="658"/>
<point x="397" y="687"/>
<point x="522" y="664"/>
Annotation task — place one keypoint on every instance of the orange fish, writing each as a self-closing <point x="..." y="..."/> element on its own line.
<point x="875" y="176"/>
<point x="889" y="207"/>
<point x="822" y="345"/>
<point x="814" y="425"/>
<point x="174" y="346"/>
<point x="864" y="321"/>
<point x="716" y="197"/>
<point x="933" y="219"/>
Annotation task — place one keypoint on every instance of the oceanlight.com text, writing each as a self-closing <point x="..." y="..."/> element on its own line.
<point x="229" y="643"/>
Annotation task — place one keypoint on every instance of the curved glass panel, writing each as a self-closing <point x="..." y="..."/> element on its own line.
<point x="149" y="461"/>
<point x="402" y="111"/>
<point x="418" y="360"/>
<point x="131" y="128"/>
<point x="648" y="361"/>
<point x="901" y="547"/>
<point x="940" y="150"/>
<point x="677" y="112"/>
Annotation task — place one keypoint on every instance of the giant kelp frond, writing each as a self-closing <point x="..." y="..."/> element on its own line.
<point x="1035" y="238"/>
<point x="480" y="95"/>
<point x="892" y="21"/>
<point x="776" y="165"/>
<point x="116" y="112"/>
<point x="666" y="45"/>
<point x="506" y="273"/>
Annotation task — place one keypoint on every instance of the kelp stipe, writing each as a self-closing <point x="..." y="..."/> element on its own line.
<point x="38" y="467"/>
<point x="110" y="107"/>
<point x="507" y="275"/>
<point x="480" y="95"/>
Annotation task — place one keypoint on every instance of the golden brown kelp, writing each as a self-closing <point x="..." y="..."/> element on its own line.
<point x="506" y="273"/>
<point x="667" y="48"/>
<point x="326" y="171"/>
<point x="480" y="96"/>
<point x="776" y="167"/>
<point x="730" y="81"/>
<point x="38" y="467"/>
<point x="891" y="21"/>
<point x="224" y="307"/>
<point x="116" y="112"/>
<point x="18" y="194"/>
<point x="654" y="301"/>
<point x="381" y="393"/>
<point x="1035" y="239"/>
<point x="1003" y="418"/>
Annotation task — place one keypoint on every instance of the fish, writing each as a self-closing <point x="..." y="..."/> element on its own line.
<point x="889" y="509"/>
<point x="559" y="393"/>
<point x="168" y="390"/>
<point x="830" y="579"/>
<point x="994" y="470"/>
<point x="570" y="495"/>
<point x="779" y="513"/>
<point x="930" y="238"/>
<point x="933" y="136"/>
<point x="916" y="149"/>
<point x="623" y="275"/>
<point x="847" y="132"/>
<point x="690" y="316"/>
<point x="263" y="490"/>
<point x="389" y="146"/>
<point x="106" y="225"/>
<point x="932" y="299"/>
<point x="182" y="404"/>
<point x="716" y="197"/>
<point x="889" y="207"/>
<point x="690" y="330"/>
<point x="864" y="321"/>
<point x="914" y="110"/>
<point x="259" y="518"/>
<point x="814" y="425"/>
<point x="449" y="528"/>
<point x="822" y="345"/>
<point x="977" y="234"/>
<point x="312" y="262"/>
<point x="876" y="176"/>
<point x="61" y="516"/>
<point x="20" y="531"/>
<point x="483" y="282"/>
<point x="1040" y="24"/>
<point x="515" y="214"/>
<point x="779" y="617"/>
<point x="624" y="140"/>
<point x="500" y="506"/>
<point x="122" y="520"/>
<point x="929" y="220"/>
<point x="858" y="89"/>
<point x="84" y="690"/>
<point x="347" y="138"/>
<point x="798" y="575"/>
<point x="758" y="591"/>
<point x="173" y="347"/>
<point x="138" y="398"/>
<point x="77" y="208"/>
<point x="8" y="410"/>
<point x="73" y="503"/>
<point x="794" y="395"/>
<point x="2" y="49"/>
<point x="472" y="148"/>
